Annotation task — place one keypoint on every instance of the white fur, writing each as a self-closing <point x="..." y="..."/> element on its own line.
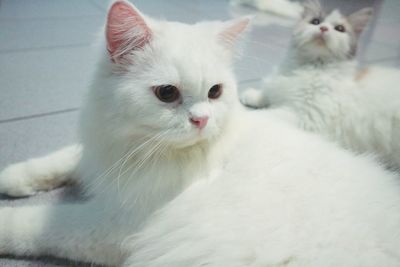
<point x="250" y="190"/>
<point x="319" y="84"/>
<point x="284" y="198"/>
<point x="286" y="8"/>
<point x="45" y="173"/>
<point x="138" y="152"/>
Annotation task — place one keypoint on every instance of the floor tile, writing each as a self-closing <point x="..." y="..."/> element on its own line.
<point x="21" y="140"/>
<point x="391" y="63"/>
<point x="387" y="33"/>
<point x="389" y="12"/>
<point x="22" y="9"/>
<point x="260" y="55"/>
<point x="206" y="9"/>
<point x="44" y="81"/>
<point x="22" y="34"/>
<point x="378" y="51"/>
<point x="158" y="9"/>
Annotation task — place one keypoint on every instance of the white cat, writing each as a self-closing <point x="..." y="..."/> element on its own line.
<point x="182" y="175"/>
<point x="320" y="84"/>
<point x="156" y="118"/>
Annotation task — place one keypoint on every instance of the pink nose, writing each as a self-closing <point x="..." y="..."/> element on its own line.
<point x="323" y="29"/>
<point x="199" y="122"/>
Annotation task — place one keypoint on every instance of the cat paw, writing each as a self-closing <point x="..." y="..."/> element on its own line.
<point x="14" y="181"/>
<point x="252" y="98"/>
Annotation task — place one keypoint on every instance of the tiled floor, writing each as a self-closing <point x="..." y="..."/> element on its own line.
<point x="46" y="59"/>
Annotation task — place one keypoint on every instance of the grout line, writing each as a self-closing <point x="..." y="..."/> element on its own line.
<point x="75" y="109"/>
<point x="21" y="50"/>
<point x="40" y="115"/>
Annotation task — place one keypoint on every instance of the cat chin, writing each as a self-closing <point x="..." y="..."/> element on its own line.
<point x="317" y="48"/>
<point x="192" y="139"/>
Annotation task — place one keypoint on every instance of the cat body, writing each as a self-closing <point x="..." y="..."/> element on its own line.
<point x="142" y="139"/>
<point x="320" y="84"/>
<point x="284" y="198"/>
<point x="303" y="202"/>
<point x="179" y="174"/>
<point x="327" y="100"/>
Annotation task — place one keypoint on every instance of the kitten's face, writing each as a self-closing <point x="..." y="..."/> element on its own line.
<point x="325" y="36"/>
<point x="332" y="36"/>
<point x="178" y="87"/>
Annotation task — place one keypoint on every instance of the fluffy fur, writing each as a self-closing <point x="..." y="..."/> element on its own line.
<point x="284" y="198"/>
<point x="138" y="152"/>
<point x="320" y="84"/>
<point x="286" y="8"/>
<point x="246" y="190"/>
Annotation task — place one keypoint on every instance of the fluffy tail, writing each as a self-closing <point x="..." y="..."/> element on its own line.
<point x="284" y="8"/>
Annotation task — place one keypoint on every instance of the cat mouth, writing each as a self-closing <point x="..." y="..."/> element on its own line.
<point x="320" y="40"/>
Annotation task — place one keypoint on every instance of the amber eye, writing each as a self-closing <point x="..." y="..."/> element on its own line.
<point x="167" y="93"/>
<point x="215" y="91"/>
<point x="340" y="28"/>
<point x="315" y="21"/>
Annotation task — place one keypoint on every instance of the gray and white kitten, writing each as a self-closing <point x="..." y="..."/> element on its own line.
<point x="320" y="89"/>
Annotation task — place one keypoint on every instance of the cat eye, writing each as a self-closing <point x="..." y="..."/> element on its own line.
<point x="167" y="93"/>
<point x="215" y="91"/>
<point x="315" y="21"/>
<point x="340" y="28"/>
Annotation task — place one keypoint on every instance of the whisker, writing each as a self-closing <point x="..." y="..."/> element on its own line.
<point x="133" y="154"/>
<point x="153" y="151"/>
<point x="101" y="181"/>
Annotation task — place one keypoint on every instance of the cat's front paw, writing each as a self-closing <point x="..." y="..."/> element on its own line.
<point x="253" y="98"/>
<point x="14" y="181"/>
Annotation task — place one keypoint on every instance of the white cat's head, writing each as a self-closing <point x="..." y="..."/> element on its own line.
<point x="330" y="36"/>
<point x="165" y="79"/>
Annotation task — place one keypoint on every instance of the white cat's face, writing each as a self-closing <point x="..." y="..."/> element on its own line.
<point x="171" y="81"/>
<point x="332" y="36"/>
<point x="181" y="87"/>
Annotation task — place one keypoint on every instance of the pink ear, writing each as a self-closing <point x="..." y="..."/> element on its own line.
<point x="126" y="29"/>
<point x="234" y="28"/>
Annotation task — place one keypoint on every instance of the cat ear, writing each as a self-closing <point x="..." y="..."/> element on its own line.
<point x="358" y="20"/>
<point x="126" y="29"/>
<point x="312" y="8"/>
<point x="233" y="29"/>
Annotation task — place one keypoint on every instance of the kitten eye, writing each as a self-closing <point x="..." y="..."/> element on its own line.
<point x="215" y="91"/>
<point x="315" y="21"/>
<point x="340" y="28"/>
<point x="166" y="93"/>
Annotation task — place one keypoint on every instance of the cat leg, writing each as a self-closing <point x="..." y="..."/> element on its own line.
<point x="38" y="174"/>
<point x="81" y="232"/>
<point x="254" y="98"/>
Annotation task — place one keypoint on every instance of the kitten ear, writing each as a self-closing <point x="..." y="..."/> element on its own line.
<point x="126" y="29"/>
<point x="358" y="20"/>
<point x="233" y="29"/>
<point x="312" y="8"/>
